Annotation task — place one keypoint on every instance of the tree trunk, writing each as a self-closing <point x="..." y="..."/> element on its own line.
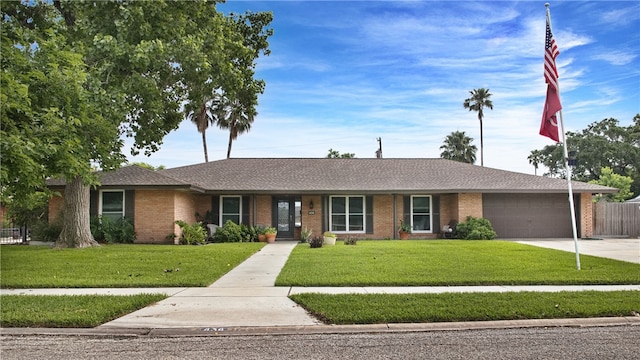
<point x="230" y="142"/>
<point x="204" y="145"/>
<point x="481" y="146"/>
<point x="76" y="232"/>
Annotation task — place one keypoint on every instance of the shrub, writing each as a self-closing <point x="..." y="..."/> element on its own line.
<point x="475" y="229"/>
<point x="316" y="241"/>
<point x="194" y="234"/>
<point x="47" y="232"/>
<point x="229" y="232"/>
<point x="104" y="229"/>
<point x="248" y="233"/>
<point x="350" y="241"/>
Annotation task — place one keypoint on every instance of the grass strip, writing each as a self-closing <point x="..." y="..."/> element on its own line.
<point x="119" y="265"/>
<point x="449" y="262"/>
<point x="419" y="308"/>
<point x="78" y="311"/>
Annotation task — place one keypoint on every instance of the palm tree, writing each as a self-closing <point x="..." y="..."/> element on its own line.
<point x="477" y="102"/>
<point x="457" y="146"/>
<point x="200" y="115"/>
<point x="535" y="158"/>
<point x="235" y="113"/>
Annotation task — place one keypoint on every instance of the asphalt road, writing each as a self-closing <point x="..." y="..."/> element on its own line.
<point x="612" y="342"/>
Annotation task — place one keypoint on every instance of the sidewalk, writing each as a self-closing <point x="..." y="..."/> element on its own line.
<point x="247" y="298"/>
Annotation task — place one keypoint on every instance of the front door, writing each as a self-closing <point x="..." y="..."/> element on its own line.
<point x="284" y="216"/>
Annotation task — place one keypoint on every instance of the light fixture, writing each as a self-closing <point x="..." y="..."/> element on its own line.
<point x="311" y="204"/>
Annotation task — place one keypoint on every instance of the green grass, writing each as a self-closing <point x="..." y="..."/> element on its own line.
<point x="82" y="311"/>
<point x="415" y="308"/>
<point x="120" y="265"/>
<point x="449" y="262"/>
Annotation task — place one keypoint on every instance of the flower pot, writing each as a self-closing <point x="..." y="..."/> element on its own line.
<point x="329" y="240"/>
<point x="271" y="238"/>
<point x="262" y="238"/>
<point x="404" y="235"/>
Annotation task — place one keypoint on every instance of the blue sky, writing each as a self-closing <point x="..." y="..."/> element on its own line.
<point x="343" y="73"/>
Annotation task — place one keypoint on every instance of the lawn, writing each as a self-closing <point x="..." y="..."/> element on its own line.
<point x="416" y="308"/>
<point x="82" y="311"/>
<point x="119" y="265"/>
<point x="448" y="262"/>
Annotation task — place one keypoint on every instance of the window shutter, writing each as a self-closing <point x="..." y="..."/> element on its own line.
<point x="215" y="209"/>
<point x="129" y="204"/>
<point x="245" y="209"/>
<point x="94" y="202"/>
<point x="368" y="222"/>
<point x="435" y="202"/>
<point x="406" y="209"/>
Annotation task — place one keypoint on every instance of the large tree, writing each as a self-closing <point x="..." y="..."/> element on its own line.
<point x="480" y="98"/>
<point x="602" y="144"/>
<point x="458" y="147"/>
<point x="77" y="76"/>
<point x="230" y="99"/>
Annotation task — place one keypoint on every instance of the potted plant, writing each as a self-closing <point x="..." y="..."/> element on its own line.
<point x="260" y="231"/>
<point x="329" y="238"/>
<point x="270" y="233"/>
<point x="404" y="230"/>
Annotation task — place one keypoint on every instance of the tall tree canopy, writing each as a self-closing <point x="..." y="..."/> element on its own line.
<point x="77" y="76"/>
<point x="603" y="144"/>
<point x="480" y="98"/>
<point x="458" y="146"/>
<point x="335" y="154"/>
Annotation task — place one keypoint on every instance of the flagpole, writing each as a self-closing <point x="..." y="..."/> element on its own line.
<point x="568" y="169"/>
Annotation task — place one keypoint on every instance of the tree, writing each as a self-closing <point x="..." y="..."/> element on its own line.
<point x="235" y="114"/>
<point x="335" y="154"/>
<point x="477" y="102"/>
<point x="535" y="158"/>
<point x="202" y="118"/>
<point x="602" y="144"/>
<point x="457" y="146"/>
<point x="623" y="183"/>
<point x="78" y="75"/>
<point x="229" y="104"/>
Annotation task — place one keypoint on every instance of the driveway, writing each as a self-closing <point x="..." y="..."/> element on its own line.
<point x="613" y="248"/>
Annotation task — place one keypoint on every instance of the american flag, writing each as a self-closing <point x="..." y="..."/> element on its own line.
<point x="549" y="124"/>
<point x="550" y="53"/>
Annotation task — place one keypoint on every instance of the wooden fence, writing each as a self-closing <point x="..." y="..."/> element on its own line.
<point x="616" y="219"/>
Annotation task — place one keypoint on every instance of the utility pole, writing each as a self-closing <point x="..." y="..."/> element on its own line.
<point x="379" y="151"/>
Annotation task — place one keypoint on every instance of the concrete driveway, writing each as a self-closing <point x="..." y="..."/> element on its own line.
<point x="614" y="248"/>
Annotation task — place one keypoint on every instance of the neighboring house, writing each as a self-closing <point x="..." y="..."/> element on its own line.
<point x="363" y="198"/>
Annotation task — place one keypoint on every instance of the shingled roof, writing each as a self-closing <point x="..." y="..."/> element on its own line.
<point x="370" y="175"/>
<point x="132" y="176"/>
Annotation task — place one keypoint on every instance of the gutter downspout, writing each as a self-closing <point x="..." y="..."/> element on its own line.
<point x="395" y="216"/>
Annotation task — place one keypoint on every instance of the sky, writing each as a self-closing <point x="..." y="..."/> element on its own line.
<point x="342" y="74"/>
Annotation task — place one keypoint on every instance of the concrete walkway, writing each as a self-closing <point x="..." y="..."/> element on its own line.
<point x="247" y="297"/>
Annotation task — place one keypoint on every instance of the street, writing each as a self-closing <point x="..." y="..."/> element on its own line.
<point x="613" y="342"/>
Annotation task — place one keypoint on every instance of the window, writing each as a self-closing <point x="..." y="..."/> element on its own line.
<point x="230" y="209"/>
<point x="112" y="204"/>
<point x="421" y="213"/>
<point x="347" y="214"/>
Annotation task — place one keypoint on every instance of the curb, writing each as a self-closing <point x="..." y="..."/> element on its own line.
<point x="323" y="329"/>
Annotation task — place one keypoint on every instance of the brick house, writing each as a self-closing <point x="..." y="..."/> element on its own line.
<point x="363" y="198"/>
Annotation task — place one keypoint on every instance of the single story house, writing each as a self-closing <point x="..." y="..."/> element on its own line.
<point x="362" y="198"/>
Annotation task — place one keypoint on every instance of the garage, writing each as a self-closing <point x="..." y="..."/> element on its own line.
<point x="529" y="215"/>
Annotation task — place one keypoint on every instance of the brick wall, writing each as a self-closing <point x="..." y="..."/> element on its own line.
<point x="448" y="209"/>
<point x="55" y="207"/>
<point x="469" y="205"/>
<point x="312" y="221"/>
<point x="586" y="215"/>
<point x="263" y="211"/>
<point x="384" y="227"/>
<point x="154" y="216"/>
